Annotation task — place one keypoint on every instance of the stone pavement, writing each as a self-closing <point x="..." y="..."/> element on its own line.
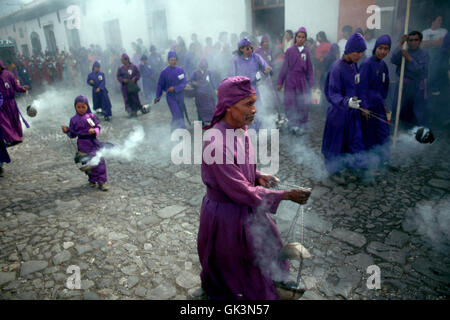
<point x="138" y="241"/>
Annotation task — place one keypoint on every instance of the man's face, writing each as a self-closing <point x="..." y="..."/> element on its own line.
<point x="355" y="56"/>
<point x="265" y="45"/>
<point x="172" y="62"/>
<point x="414" y="42"/>
<point x="81" y="108"/>
<point x="124" y="61"/>
<point x="96" y="69"/>
<point x="247" y="50"/>
<point x="243" y="113"/>
<point x="382" y="51"/>
<point x="300" y="39"/>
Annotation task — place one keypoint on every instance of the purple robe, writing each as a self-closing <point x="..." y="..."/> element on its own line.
<point x="101" y="99"/>
<point x="297" y="75"/>
<point x="373" y="90"/>
<point x="173" y="77"/>
<point x="415" y="95"/>
<point x="266" y="55"/>
<point x="148" y="80"/>
<point x="4" y="156"/>
<point x="342" y="137"/>
<point x="9" y="112"/>
<point x="132" y="102"/>
<point x="238" y="241"/>
<point x="87" y="143"/>
<point x="205" y="96"/>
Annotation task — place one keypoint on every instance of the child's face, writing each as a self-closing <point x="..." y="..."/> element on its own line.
<point x="81" y="108"/>
<point x="96" y="69"/>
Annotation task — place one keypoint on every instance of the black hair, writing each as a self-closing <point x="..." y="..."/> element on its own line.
<point x="323" y="35"/>
<point x="418" y="33"/>
<point x="290" y="33"/>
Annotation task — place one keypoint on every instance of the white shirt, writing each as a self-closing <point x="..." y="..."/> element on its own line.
<point x="341" y="45"/>
<point x="437" y="34"/>
<point x="370" y="46"/>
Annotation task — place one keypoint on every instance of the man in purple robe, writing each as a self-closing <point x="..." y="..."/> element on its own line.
<point x="84" y="126"/>
<point x="205" y="86"/>
<point x="4" y="156"/>
<point x="415" y="95"/>
<point x="373" y="90"/>
<point x="342" y="138"/>
<point x="148" y="78"/>
<point x="128" y="75"/>
<point x="238" y="242"/>
<point x="173" y="80"/>
<point x="9" y="113"/>
<point x="96" y="79"/>
<point x="297" y="76"/>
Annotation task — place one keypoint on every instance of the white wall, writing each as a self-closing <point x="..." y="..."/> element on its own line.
<point x="315" y="16"/>
<point x="207" y="18"/>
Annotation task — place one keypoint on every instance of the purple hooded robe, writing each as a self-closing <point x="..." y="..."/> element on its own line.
<point x="342" y="138"/>
<point x="238" y="241"/>
<point x="9" y="112"/>
<point x="297" y="75"/>
<point x="205" y="95"/>
<point x="132" y="102"/>
<point x="374" y="88"/>
<point x="101" y="99"/>
<point x="88" y="143"/>
<point x="4" y="156"/>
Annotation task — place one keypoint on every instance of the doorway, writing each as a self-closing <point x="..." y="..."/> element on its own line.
<point x="50" y="38"/>
<point x="35" y="43"/>
<point x="268" y="17"/>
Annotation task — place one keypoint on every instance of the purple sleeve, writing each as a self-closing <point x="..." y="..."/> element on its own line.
<point x="72" y="133"/>
<point x="364" y="84"/>
<point x="418" y="66"/>
<point x="235" y="185"/>
<point x="89" y="78"/>
<point x="102" y="83"/>
<point x="335" y="87"/>
<point x="119" y="75"/>
<point x="284" y="69"/>
<point x="1" y="99"/>
<point x="309" y="71"/>
<point x="16" y="86"/>
<point x="396" y="58"/>
<point x="161" y="85"/>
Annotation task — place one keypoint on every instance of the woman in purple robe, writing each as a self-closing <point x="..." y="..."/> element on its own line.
<point x="4" y="156"/>
<point x="86" y="128"/>
<point x="297" y="76"/>
<point x="238" y="241"/>
<point x="173" y="80"/>
<point x="342" y="137"/>
<point x="148" y="78"/>
<point x="96" y="79"/>
<point x="205" y="92"/>
<point x="127" y="73"/>
<point x="248" y="64"/>
<point x="9" y="113"/>
<point x="374" y="88"/>
<point x="264" y="51"/>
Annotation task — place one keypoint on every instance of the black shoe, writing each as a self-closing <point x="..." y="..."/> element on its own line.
<point x="12" y="144"/>
<point x="107" y="119"/>
<point x="1" y="172"/>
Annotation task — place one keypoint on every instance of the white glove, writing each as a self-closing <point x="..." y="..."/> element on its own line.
<point x="354" y="103"/>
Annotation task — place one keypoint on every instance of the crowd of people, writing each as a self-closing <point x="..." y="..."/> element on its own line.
<point x="352" y="74"/>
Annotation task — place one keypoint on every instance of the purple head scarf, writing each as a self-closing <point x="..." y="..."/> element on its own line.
<point x="264" y="39"/>
<point x="84" y="100"/>
<point x="244" y="42"/>
<point x="172" y="54"/>
<point x="303" y="30"/>
<point x="96" y="64"/>
<point x="355" y="43"/>
<point x="231" y="91"/>
<point x="203" y="64"/>
<point x="144" y="58"/>
<point x="384" y="39"/>
<point x="125" y="56"/>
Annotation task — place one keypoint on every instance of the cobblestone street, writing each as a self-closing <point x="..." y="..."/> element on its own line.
<point x="138" y="241"/>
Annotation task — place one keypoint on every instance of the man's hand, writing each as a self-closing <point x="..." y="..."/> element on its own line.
<point x="267" y="70"/>
<point x="92" y="131"/>
<point x="171" y="89"/>
<point x="354" y="103"/>
<point x="299" y="196"/>
<point x="365" y="114"/>
<point x="279" y="87"/>
<point x="91" y="82"/>
<point x="402" y="41"/>
<point x="156" y="101"/>
<point x="65" y="129"/>
<point x="26" y="88"/>
<point x="407" y="55"/>
<point x="98" y="90"/>
<point x="268" y="181"/>
<point x="125" y="80"/>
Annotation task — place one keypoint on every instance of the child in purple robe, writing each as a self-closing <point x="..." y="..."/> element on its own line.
<point x="297" y="76"/>
<point x="173" y="80"/>
<point x="238" y="241"/>
<point x="96" y="79"/>
<point x="374" y="88"/>
<point x="128" y="75"/>
<point x="342" y="138"/>
<point x="205" y="92"/>
<point x="86" y="128"/>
